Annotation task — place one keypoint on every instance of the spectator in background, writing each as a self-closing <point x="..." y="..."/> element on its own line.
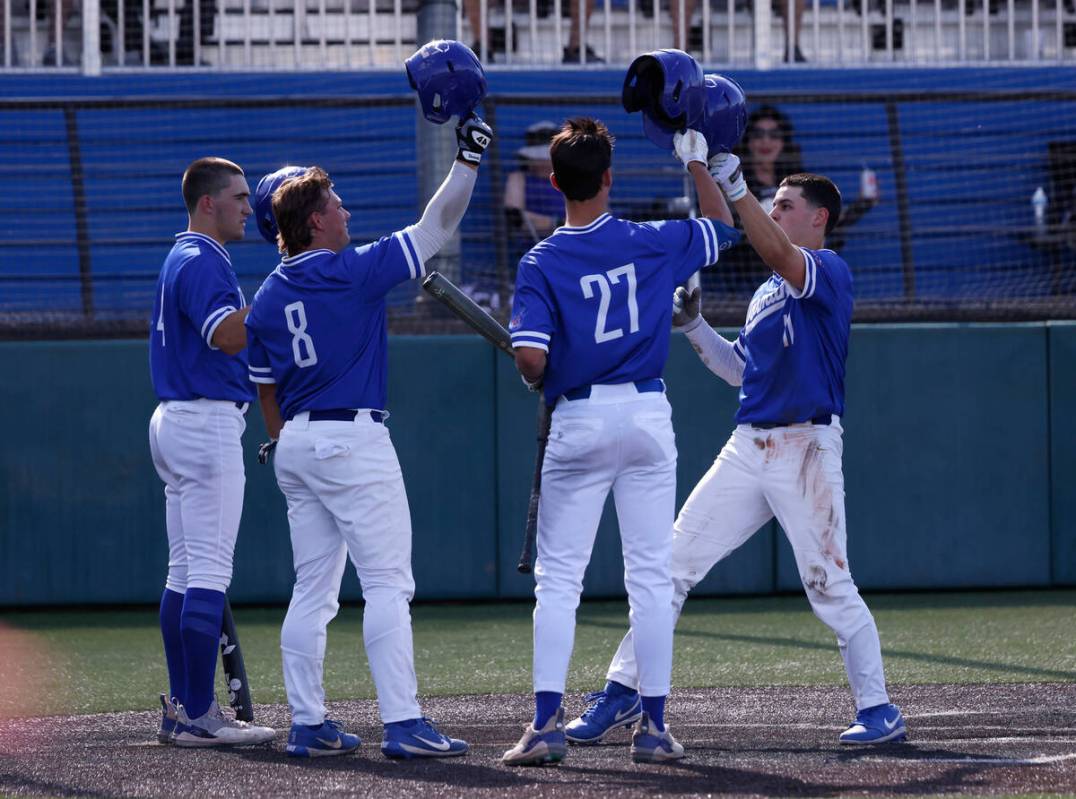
<point x="573" y="54"/>
<point x="780" y="6"/>
<point x="768" y="154"/>
<point x="531" y="204"/>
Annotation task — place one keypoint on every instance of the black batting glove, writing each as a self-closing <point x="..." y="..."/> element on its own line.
<point x="265" y="451"/>
<point x="473" y="136"/>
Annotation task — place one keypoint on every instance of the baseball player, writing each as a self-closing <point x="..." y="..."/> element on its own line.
<point x="784" y="457"/>
<point x="591" y="320"/>
<point x="318" y="352"/>
<point x="199" y="372"/>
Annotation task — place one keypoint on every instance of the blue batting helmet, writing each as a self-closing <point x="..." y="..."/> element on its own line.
<point x="722" y="122"/>
<point x="263" y="199"/>
<point x="448" y="78"/>
<point x="667" y="86"/>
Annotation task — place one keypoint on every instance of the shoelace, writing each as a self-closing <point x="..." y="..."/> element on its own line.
<point x="593" y="700"/>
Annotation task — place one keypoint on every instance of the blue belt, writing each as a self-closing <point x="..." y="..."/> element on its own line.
<point x="825" y="418"/>
<point x="344" y="415"/>
<point x="642" y="386"/>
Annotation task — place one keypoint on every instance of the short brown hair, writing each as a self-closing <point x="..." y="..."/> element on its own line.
<point x="581" y="153"/>
<point x="293" y="203"/>
<point x="820" y="192"/>
<point x="207" y="176"/>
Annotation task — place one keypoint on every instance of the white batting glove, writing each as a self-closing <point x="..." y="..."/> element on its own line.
<point x="725" y="169"/>
<point x="686" y="309"/>
<point x="473" y="136"/>
<point x="690" y="146"/>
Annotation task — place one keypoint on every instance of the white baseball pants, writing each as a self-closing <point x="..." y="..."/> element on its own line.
<point x="795" y="474"/>
<point x="197" y="452"/>
<point x="346" y="495"/>
<point x="622" y="440"/>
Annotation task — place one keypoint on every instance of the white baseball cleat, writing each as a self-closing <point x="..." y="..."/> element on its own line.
<point x="214" y="729"/>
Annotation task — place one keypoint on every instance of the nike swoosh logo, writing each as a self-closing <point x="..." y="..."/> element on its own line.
<point x="331" y="744"/>
<point x="621" y="715"/>
<point x="440" y="746"/>
<point x="889" y="725"/>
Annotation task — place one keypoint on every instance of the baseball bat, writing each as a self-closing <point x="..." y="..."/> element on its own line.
<point x="441" y="288"/>
<point x="235" y="671"/>
<point x="545" y="417"/>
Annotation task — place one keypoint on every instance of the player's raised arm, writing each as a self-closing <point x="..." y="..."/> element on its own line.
<point x="768" y="239"/>
<point x="691" y="148"/>
<point x="446" y="208"/>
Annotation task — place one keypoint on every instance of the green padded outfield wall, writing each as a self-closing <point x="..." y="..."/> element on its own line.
<point x="946" y="458"/>
<point x="82" y="510"/>
<point x="960" y="465"/>
<point x="1062" y="342"/>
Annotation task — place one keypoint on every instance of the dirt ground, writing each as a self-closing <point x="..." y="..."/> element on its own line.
<point x="972" y="739"/>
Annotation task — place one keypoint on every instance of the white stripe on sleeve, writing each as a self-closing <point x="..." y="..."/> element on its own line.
<point x="209" y="326"/>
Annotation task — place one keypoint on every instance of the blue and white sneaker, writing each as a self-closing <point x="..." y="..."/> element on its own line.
<point x="167" y="731"/>
<point x="650" y="746"/>
<point x="215" y="729"/>
<point x="605" y="711"/>
<point x="547" y="745"/>
<point x="328" y="739"/>
<point x="876" y="725"/>
<point x="419" y="738"/>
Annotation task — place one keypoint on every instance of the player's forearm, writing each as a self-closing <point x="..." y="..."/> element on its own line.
<point x="444" y="211"/>
<point x="531" y="363"/>
<point x="716" y="352"/>
<point x="770" y="242"/>
<point x="230" y="337"/>
<point x="270" y="409"/>
<point x="711" y="201"/>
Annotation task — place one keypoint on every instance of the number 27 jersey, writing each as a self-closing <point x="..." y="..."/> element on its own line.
<point x="598" y="299"/>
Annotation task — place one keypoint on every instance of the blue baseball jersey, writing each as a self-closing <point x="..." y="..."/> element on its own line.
<point x="598" y="299"/>
<point x="795" y="343"/>
<point x="196" y="290"/>
<point x="317" y="325"/>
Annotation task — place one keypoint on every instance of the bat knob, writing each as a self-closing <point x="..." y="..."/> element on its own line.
<point x="524" y="568"/>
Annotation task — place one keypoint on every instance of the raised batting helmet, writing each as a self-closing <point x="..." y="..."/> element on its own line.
<point x="722" y="122"/>
<point x="263" y="199"/>
<point x="667" y="86"/>
<point x="448" y="78"/>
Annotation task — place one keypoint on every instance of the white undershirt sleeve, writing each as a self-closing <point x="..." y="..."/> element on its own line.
<point x="715" y="351"/>
<point x="443" y="212"/>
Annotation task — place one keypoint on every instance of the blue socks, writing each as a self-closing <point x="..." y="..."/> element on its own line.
<point x="200" y="628"/>
<point x="654" y="706"/>
<point x="546" y="704"/>
<point x="171" y="608"/>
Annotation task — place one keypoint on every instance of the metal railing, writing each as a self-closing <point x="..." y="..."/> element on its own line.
<point x="91" y="35"/>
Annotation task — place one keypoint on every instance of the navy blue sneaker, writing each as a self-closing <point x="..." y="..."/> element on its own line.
<point x="650" y="746"/>
<point x="537" y="747"/>
<point x="876" y="725"/>
<point x="419" y="738"/>
<point x="166" y="733"/>
<point x="605" y="711"/>
<point x="328" y="739"/>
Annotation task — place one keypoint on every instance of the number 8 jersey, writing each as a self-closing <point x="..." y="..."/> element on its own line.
<point x="317" y="326"/>
<point x="608" y="321"/>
